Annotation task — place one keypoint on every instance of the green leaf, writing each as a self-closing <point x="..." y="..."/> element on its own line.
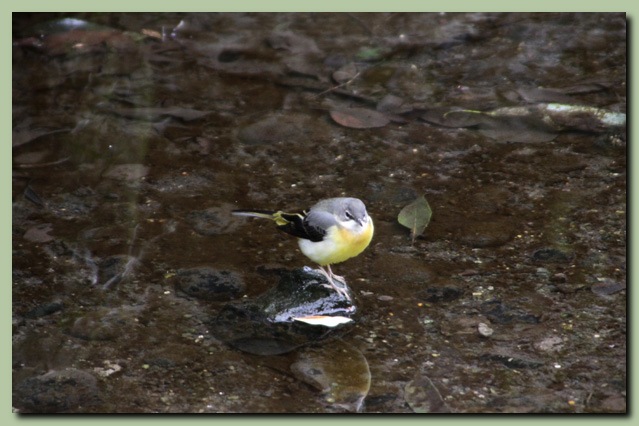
<point x="415" y="216"/>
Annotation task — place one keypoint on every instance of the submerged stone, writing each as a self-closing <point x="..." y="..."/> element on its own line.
<point x="266" y="324"/>
<point x="209" y="284"/>
<point x="58" y="391"/>
<point x="551" y="255"/>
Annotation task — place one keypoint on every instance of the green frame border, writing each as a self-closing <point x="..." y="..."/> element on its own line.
<point x="7" y="7"/>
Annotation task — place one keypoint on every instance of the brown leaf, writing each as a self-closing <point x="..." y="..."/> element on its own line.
<point x="39" y="233"/>
<point x="359" y="118"/>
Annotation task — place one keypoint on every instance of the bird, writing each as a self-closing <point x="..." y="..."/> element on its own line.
<point x="331" y="231"/>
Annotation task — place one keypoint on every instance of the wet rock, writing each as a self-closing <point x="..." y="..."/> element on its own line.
<point x="340" y="371"/>
<point x="44" y="310"/>
<point x="266" y="325"/>
<point x="607" y="286"/>
<point x="209" y="284"/>
<point x="551" y="255"/>
<point x="500" y="313"/>
<point x="68" y="390"/>
<point x="559" y="277"/>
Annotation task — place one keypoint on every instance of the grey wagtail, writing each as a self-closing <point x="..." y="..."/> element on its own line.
<point x="331" y="231"/>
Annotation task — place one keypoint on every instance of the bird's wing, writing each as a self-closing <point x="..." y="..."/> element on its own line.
<point x="297" y="224"/>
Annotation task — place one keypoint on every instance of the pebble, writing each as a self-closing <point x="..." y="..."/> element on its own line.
<point x="484" y="329"/>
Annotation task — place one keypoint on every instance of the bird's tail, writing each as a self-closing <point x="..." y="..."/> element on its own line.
<point x="264" y="214"/>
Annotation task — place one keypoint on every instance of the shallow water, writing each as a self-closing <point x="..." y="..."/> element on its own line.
<point x="133" y="141"/>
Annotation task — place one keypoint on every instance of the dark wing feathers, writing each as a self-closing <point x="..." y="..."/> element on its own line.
<point x="298" y="226"/>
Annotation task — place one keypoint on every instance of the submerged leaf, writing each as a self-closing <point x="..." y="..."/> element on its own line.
<point x="155" y="114"/>
<point x="509" y="124"/>
<point x="359" y="118"/>
<point x="416" y="216"/>
<point x="531" y="123"/>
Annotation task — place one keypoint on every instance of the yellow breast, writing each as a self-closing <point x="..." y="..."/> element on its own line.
<point x="338" y="245"/>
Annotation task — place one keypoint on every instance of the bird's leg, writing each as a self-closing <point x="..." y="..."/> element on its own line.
<point x="328" y="277"/>
<point x="337" y="277"/>
<point x="331" y="284"/>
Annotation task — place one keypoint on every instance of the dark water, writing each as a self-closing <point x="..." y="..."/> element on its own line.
<point x="136" y="136"/>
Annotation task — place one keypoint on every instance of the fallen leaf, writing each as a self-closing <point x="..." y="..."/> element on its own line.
<point x="155" y="114"/>
<point x="39" y="233"/>
<point x="415" y="216"/>
<point x="359" y="118"/>
<point x="325" y="320"/>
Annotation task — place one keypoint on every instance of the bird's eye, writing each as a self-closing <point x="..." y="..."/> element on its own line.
<point x="349" y="215"/>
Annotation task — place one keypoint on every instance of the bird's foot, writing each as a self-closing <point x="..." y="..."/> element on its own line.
<point x="340" y="289"/>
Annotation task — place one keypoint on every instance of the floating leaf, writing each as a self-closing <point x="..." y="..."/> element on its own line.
<point x="359" y="118"/>
<point x="415" y="216"/>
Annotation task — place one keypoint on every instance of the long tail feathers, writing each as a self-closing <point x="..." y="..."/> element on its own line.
<point x="264" y="214"/>
<point x="281" y="219"/>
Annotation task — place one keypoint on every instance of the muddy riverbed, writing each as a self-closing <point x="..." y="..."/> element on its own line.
<point x="135" y="135"/>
